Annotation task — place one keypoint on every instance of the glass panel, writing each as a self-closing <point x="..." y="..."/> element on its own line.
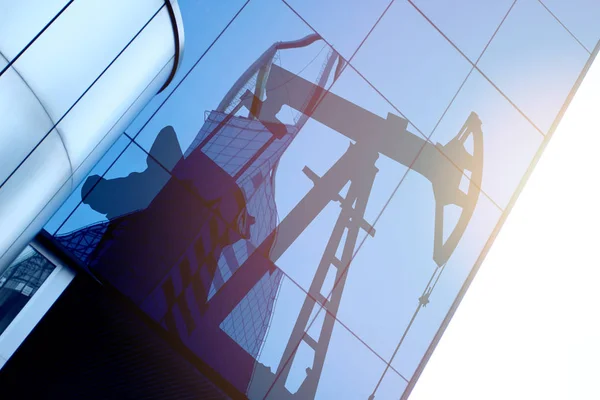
<point x="544" y="62"/>
<point x="580" y="17"/>
<point x="469" y="24"/>
<point x="392" y="386"/>
<point x="19" y="282"/>
<point x="129" y="185"/>
<point x="74" y="200"/>
<point x="419" y="77"/>
<point x="344" y="24"/>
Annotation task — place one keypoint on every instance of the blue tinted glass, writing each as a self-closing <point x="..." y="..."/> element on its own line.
<point x="544" y="62"/>
<point x="297" y="222"/>
<point x="579" y="17"/>
<point x="344" y="24"/>
<point x="469" y="24"/>
<point x="419" y="77"/>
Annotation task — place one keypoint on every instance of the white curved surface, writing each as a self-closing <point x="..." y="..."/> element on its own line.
<point x="43" y="88"/>
<point x="14" y="34"/>
<point x="33" y="185"/>
<point x="79" y="45"/>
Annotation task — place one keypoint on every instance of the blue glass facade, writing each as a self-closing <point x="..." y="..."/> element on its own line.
<point x="309" y="199"/>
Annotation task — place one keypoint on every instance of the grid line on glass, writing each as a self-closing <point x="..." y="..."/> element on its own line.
<point x="230" y="323"/>
<point x="564" y="27"/>
<point x="79" y="99"/>
<point x="361" y="42"/>
<point x="32" y="41"/>
<point x="160" y="106"/>
<point x="78" y="168"/>
<point x="442" y="269"/>
<point x="348" y="63"/>
<point x="474" y="67"/>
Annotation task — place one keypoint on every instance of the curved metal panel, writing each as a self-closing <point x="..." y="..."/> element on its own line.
<point x="21" y="21"/>
<point x="179" y="36"/>
<point x="77" y="86"/>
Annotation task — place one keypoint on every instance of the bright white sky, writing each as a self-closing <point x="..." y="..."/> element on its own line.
<point x="529" y="326"/>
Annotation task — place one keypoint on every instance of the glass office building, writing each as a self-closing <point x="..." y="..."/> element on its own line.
<point x="291" y="208"/>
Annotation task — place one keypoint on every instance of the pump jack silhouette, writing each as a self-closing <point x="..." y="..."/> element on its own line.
<point x="373" y="136"/>
<point x="442" y="165"/>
